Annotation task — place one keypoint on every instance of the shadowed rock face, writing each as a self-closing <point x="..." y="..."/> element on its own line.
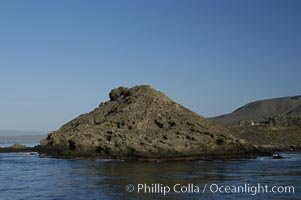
<point x="142" y="123"/>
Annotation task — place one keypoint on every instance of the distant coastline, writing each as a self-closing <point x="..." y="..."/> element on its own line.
<point x="12" y="132"/>
<point x="22" y="138"/>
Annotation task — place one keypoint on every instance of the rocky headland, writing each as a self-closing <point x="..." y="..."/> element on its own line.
<point x="144" y="124"/>
<point x="271" y="124"/>
<point x="17" y="148"/>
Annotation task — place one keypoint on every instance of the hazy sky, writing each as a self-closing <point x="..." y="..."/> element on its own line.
<point x="61" y="58"/>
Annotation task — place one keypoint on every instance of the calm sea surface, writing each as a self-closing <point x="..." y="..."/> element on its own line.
<point x="28" y="176"/>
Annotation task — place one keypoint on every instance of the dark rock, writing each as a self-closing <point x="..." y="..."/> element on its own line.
<point x="118" y="92"/>
<point x="277" y="156"/>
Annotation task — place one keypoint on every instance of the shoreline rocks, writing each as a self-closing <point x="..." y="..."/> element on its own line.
<point x="16" y="148"/>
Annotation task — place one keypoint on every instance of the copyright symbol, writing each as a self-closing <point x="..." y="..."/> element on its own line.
<point x="130" y="188"/>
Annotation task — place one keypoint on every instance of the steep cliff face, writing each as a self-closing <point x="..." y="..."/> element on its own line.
<point x="142" y="123"/>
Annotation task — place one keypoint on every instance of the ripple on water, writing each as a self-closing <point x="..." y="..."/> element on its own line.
<point x="28" y="176"/>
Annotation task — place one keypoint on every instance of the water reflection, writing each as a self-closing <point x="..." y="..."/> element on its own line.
<point x="26" y="176"/>
<point x="111" y="177"/>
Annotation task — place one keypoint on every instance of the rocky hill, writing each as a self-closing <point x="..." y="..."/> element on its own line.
<point x="142" y="123"/>
<point x="258" y="110"/>
<point x="273" y="123"/>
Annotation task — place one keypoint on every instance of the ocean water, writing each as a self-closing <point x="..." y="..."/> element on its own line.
<point x="29" y="176"/>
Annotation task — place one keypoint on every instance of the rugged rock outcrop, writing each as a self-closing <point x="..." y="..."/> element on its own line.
<point x="142" y="123"/>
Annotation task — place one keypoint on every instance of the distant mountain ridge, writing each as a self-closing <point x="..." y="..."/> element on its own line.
<point x="22" y="138"/>
<point x="256" y="111"/>
<point x="20" y="133"/>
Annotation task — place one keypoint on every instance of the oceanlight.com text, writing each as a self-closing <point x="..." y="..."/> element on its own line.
<point x="214" y="188"/>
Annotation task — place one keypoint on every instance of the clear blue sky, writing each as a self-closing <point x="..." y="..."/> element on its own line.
<point x="60" y="58"/>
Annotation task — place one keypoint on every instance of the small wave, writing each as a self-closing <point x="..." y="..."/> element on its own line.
<point x="108" y="160"/>
<point x="31" y="153"/>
